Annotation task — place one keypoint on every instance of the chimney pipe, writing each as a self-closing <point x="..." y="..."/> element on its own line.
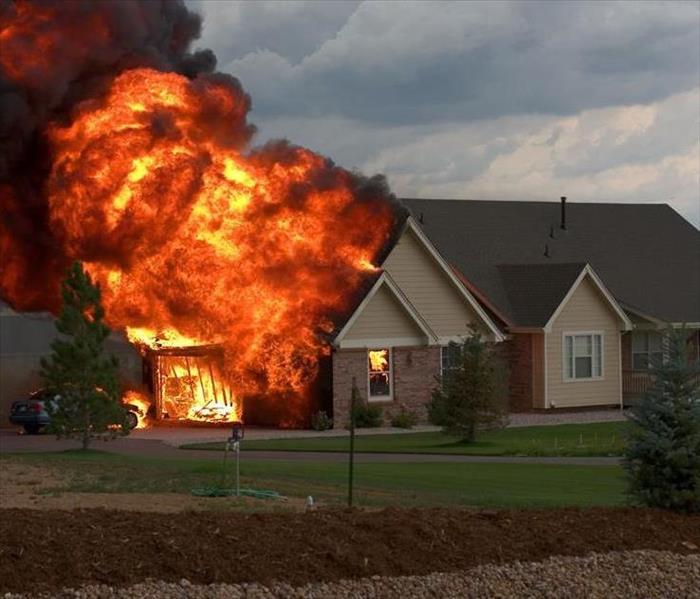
<point x="563" y="212"/>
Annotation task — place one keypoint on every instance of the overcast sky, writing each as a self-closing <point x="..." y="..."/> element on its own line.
<point x="495" y="100"/>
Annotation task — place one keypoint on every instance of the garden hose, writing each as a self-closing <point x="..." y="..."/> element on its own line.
<point x="222" y="490"/>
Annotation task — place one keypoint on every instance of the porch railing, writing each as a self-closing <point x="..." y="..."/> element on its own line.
<point x="636" y="382"/>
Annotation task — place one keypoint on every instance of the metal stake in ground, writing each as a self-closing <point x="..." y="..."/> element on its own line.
<point x="237" y="434"/>
<point x="353" y="399"/>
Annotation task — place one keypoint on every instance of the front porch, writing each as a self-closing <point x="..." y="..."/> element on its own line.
<point x="640" y="349"/>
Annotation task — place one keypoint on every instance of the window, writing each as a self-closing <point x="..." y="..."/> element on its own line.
<point x="647" y="349"/>
<point x="380" y="385"/>
<point x="450" y="359"/>
<point x="583" y="356"/>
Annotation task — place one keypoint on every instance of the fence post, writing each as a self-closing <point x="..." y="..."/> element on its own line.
<point x="351" y="472"/>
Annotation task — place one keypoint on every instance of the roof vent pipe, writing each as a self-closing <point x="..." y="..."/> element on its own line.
<point x="563" y="212"/>
<point x="420" y="218"/>
<point x="546" y="250"/>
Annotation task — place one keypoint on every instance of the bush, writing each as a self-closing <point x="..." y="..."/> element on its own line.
<point x="662" y="459"/>
<point x="367" y="415"/>
<point x="320" y="421"/>
<point x="404" y="418"/>
<point x="473" y="394"/>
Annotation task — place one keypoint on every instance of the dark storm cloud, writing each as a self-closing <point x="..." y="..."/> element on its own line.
<point x="497" y="100"/>
<point x="404" y="63"/>
<point x="289" y="28"/>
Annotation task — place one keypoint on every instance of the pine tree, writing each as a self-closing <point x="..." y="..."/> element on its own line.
<point x="473" y="394"/>
<point x="662" y="459"/>
<point x="84" y="377"/>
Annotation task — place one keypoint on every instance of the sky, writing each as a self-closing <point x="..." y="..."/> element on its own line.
<point x="598" y="101"/>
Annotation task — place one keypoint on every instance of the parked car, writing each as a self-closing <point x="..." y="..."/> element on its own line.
<point x="31" y="413"/>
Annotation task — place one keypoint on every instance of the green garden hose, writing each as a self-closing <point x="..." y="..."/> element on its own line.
<point x="222" y="489"/>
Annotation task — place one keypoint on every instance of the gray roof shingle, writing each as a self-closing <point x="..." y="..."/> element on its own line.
<point x="646" y="254"/>
<point x="535" y="291"/>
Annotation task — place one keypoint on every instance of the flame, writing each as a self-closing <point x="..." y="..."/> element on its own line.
<point x="202" y="244"/>
<point x="194" y="238"/>
<point x="379" y="360"/>
<point x="142" y="403"/>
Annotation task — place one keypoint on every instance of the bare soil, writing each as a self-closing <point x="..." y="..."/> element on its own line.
<point x="24" y="485"/>
<point x="44" y="550"/>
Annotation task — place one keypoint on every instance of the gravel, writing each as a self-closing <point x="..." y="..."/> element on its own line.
<point x="624" y="574"/>
<point x="552" y="417"/>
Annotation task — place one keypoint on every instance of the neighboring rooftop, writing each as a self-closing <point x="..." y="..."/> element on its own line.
<point x="646" y="254"/>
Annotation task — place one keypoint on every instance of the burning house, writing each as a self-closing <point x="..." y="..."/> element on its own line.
<point x="261" y="282"/>
<point x="126" y="151"/>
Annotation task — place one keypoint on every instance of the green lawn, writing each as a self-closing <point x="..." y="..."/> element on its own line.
<point x="597" y="439"/>
<point x="494" y="485"/>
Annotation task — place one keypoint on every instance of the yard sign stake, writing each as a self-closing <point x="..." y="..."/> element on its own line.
<point x="353" y="396"/>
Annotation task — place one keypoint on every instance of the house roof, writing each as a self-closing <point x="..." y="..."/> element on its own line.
<point x="534" y="291"/>
<point x="647" y="254"/>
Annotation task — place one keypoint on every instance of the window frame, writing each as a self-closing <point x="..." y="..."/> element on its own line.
<point x="564" y="370"/>
<point x="648" y="352"/>
<point x="443" y="349"/>
<point x="390" y="371"/>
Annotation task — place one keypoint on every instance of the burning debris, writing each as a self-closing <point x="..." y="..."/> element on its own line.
<point x="139" y="404"/>
<point x="127" y="152"/>
<point x="189" y="384"/>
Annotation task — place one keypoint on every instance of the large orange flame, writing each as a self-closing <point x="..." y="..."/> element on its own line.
<point x="146" y="177"/>
<point x="194" y="242"/>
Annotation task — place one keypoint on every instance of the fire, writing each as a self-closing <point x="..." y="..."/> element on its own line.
<point x="379" y="360"/>
<point x="142" y="404"/>
<point x="195" y="239"/>
<point x="190" y="385"/>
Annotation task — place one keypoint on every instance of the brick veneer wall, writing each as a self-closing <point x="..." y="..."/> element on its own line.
<point x="414" y="372"/>
<point x="517" y="352"/>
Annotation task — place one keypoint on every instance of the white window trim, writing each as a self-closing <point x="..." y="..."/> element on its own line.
<point x="381" y="398"/>
<point x="566" y="334"/>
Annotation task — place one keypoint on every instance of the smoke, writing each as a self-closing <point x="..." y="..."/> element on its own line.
<point x="121" y="148"/>
<point x="53" y="56"/>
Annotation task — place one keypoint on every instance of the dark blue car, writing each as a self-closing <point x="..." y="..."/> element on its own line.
<point x="31" y="413"/>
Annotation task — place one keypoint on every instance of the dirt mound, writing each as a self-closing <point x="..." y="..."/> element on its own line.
<point x="48" y="550"/>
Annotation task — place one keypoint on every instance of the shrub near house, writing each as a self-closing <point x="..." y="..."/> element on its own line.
<point x="663" y="455"/>
<point x="473" y="394"/>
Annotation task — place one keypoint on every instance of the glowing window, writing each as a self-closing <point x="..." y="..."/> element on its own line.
<point x="380" y="384"/>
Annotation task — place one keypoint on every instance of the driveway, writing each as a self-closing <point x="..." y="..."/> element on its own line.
<point x="141" y="445"/>
<point x="181" y="435"/>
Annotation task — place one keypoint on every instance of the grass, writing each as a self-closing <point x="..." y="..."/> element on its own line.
<point x="596" y="439"/>
<point x="377" y="484"/>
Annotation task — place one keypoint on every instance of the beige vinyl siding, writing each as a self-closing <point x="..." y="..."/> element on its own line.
<point x="586" y="311"/>
<point x="538" y="371"/>
<point x="428" y="288"/>
<point x="385" y="318"/>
